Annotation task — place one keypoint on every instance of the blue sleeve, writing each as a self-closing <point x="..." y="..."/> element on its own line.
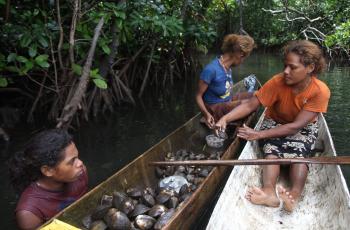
<point x="207" y="74"/>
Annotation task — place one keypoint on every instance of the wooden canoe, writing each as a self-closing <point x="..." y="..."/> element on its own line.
<point x="325" y="202"/>
<point x="138" y="173"/>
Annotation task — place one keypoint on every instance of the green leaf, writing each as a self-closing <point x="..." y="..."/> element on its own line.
<point x="77" y="69"/>
<point x="43" y="42"/>
<point x="2" y="2"/>
<point x="44" y="64"/>
<point x="32" y="51"/>
<point x="35" y="12"/>
<point x="119" y="24"/>
<point x="100" y="83"/>
<point x="94" y="73"/>
<point x="120" y="14"/>
<point x="98" y="76"/>
<point x="106" y="49"/>
<point x="3" y="82"/>
<point x="41" y="58"/>
<point x="21" y="59"/>
<point x="11" y="57"/>
<point x="29" y="65"/>
<point x="25" y="40"/>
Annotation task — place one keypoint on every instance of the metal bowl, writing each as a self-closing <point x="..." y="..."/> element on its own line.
<point x="214" y="141"/>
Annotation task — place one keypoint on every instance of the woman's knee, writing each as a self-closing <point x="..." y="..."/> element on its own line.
<point x="271" y="156"/>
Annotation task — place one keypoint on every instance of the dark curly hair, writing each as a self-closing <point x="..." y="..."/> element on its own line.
<point x="309" y="53"/>
<point x="45" y="148"/>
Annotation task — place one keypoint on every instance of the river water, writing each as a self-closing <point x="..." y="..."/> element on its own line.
<point x="110" y="142"/>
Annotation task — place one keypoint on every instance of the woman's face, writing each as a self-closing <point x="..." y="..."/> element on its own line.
<point x="294" y="71"/>
<point x="238" y="58"/>
<point x="70" y="168"/>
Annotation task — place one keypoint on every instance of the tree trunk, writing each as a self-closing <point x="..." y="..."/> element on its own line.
<point x="71" y="106"/>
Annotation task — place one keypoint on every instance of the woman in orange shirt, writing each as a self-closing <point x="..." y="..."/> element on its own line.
<point x="293" y="99"/>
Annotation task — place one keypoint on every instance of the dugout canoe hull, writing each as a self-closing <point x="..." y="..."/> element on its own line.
<point x="324" y="204"/>
<point x="138" y="173"/>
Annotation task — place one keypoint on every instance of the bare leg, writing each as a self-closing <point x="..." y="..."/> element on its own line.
<point x="244" y="101"/>
<point x="298" y="174"/>
<point x="267" y="194"/>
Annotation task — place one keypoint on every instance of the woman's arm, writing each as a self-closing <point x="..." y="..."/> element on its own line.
<point x="202" y="87"/>
<point x="303" y="118"/>
<point x="26" y="220"/>
<point x="239" y="112"/>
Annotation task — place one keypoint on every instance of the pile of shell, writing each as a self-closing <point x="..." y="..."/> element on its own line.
<point x="136" y="209"/>
<point x="194" y="175"/>
<point x="149" y="208"/>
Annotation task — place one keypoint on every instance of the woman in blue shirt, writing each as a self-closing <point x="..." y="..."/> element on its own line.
<point x="214" y="96"/>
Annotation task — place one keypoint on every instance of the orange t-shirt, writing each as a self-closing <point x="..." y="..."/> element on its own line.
<point x="283" y="105"/>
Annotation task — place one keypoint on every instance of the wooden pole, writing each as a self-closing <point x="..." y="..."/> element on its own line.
<point x="338" y="160"/>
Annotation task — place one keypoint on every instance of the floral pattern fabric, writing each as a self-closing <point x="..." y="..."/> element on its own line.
<point x="300" y="144"/>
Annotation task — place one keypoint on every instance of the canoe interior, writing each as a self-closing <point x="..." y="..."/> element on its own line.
<point x="190" y="136"/>
<point x="324" y="203"/>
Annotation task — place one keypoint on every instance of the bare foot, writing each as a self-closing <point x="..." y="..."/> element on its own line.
<point x="289" y="199"/>
<point x="262" y="196"/>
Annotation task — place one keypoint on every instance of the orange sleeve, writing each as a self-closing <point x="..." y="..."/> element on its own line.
<point x="267" y="94"/>
<point x="319" y="101"/>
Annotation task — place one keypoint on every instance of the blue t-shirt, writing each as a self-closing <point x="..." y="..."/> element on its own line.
<point x="219" y="83"/>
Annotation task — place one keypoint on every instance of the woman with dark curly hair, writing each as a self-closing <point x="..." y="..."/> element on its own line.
<point x="293" y="98"/>
<point x="49" y="175"/>
<point x="214" y="96"/>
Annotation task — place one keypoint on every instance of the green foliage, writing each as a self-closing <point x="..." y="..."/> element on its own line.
<point x="3" y="82"/>
<point x="97" y="79"/>
<point x="27" y="39"/>
<point x="100" y="83"/>
<point x="77" y="69"/>
<point x="270" y="30"/>
<point x="341" y="37"/>
<point x="30" y="37"/>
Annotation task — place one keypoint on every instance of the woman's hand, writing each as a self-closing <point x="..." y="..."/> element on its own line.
<point x="220" y="125"/>
<point x="209" y="120"/>
<point x="247" y="133"/>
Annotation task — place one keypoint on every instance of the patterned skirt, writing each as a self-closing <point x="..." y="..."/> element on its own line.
<point x="300" y="144"/>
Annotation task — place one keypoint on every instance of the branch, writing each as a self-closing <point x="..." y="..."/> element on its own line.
<point x="7" y="10"/>
<point x="71" y="107"/>
<point x="60" y="42"/>
<point x="72" y="30"/>
<point x="302" y="16"/>
<point x="273" y="11"/>
<point x="147" y="71"/>
<point x="30" y="115"/>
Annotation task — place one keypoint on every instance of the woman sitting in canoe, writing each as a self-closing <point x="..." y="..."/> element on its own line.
<point x="214" y="96"/>
<point x="293" y="99"/>
<point x="50" y="176"/>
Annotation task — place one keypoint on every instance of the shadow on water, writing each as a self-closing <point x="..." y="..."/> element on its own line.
<point x="110" y="142"/>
